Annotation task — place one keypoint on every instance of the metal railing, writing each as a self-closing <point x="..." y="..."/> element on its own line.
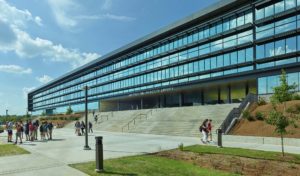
<point x="138" y="116"/>
<point x="236" y="112"/>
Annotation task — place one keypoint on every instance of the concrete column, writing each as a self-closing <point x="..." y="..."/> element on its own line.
<point x="219" y="95"/>
<point x="202" y="97"/>
<point x="229" y="94"/>
<point x="180" y="99"/>
<point x="247" y="89"/>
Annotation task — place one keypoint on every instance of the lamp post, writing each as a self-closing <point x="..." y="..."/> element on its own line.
<point x="86" y="146"/>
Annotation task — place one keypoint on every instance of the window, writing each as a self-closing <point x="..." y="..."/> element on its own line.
<point x="260" y="14"/>
<point x="213" y="63"/>
<point x="233" y="58"/>
<point x="291" y="45"/>
<point x="220" y="61"/>
<point x="279" y="7"/>
<point x="280" y="47"/>
<point x="226" y="59"/>
<point x="269" y="50"/>
<point x="262" y="85"/>
<point x="207" y="64"/>
<point x="249" y="54"/>
<point x="269" y="11"/>
<point x="241" y="56"/>
<point x="290" y="4"/>
<point x="241" y="20"/>
<point x="260" y="52"/>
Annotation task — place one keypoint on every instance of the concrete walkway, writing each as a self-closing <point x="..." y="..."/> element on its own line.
<point x="52" y="157"/>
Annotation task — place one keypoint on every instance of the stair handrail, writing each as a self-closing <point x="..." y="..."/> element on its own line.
<point x="236" y="112"/>
<point x="139" y="115"/>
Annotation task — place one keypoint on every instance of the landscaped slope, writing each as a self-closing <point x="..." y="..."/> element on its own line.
<point x="260" y="128"/>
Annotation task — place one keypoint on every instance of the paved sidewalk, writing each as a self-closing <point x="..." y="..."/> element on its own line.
<point x="51" y="158"/>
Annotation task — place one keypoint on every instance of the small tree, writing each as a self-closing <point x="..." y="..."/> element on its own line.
<point x="69" y="110"/>
<point x="282" y="94"/>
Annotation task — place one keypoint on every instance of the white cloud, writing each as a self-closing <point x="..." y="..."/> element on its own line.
<point x="63" y="11"/>
<point x="66" y="13"/>
<point x="26" y="90"/>
<point x="106" y="16"/>
<point x="107" y="4"/>
<point x="15" y="39"/>
<point x="16" y="16"/>
<point x="44" y="79"/>
<point x="38" y="21"/>
<point x="15" y="69"/>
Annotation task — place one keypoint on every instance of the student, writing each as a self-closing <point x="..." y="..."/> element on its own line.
<point x="82" y="126"/>
<point x="90" y="127"/>
<point x="96" y="118"/>
<point x="50" y="129"/>
<point x="22" y="129"/>
<point x="45" y="127"/>
<point x="42" y="131"/>
<point x="9" y="128"/>
<point x="18" y="132"/>
<point x="77" y="128"/>
<point x="26" y="126"/>
<point x="204" y="131"/>
<point x="209" y="129"/>
<point x="31" y="131"/>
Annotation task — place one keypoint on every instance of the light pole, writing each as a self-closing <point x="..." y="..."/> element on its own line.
<point x="86" y="147"/>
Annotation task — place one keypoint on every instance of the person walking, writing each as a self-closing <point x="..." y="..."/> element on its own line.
<point x="82" y="126"/>
<point x="50" y="129"/>
<point x="96" y="118"/>
<point x="26" y="128"/>
<point x="42" y="133"/>
<point x="22" y="129"/>
<point x="77" y="128"/>
<point x="204" y="131"/>
<point x="18" y="132"/>
<point x="9" y="129"/>
<point x="209" y="129"/>
<point x="31" y="131"/>
<point x="90" y="127"/>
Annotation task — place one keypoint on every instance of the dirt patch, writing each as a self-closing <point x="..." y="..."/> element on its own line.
<point x="261" y="128"/>
<point x="235" y="164"/>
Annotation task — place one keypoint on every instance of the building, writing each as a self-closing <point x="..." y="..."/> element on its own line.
<point x="217" y="55"/>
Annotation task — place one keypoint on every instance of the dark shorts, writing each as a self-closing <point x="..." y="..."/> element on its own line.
<point x="9" y="132"/>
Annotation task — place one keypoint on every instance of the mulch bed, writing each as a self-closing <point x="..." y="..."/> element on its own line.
<point x="235" y="164"/>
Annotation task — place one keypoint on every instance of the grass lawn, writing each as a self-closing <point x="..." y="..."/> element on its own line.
<point x="147" y="165"/>
<point x="9" y="149"/>
<point x="256" y="154"/>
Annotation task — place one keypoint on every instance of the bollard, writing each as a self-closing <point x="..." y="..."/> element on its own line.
<point x="99" y="154"/>
<point x="219" y="132"/>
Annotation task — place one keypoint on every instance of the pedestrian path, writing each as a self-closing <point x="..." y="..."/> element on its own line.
<point x="51" y="158"/>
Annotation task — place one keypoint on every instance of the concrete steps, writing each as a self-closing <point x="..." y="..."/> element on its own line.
<point x="178" y="121"/>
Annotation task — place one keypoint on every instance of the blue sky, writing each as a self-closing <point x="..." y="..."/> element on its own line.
<point x="41" y="40"/>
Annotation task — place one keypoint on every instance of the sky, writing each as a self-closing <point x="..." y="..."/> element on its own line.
<point x="41" y="40"/>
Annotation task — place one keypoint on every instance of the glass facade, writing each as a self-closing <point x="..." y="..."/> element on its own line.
<point x="266" y="84"/>
<point x="224" y="46"/>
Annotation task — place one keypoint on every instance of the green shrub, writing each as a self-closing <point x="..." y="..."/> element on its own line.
<point x="259" y="116"/>
<point x="296" y="97"/>
<point x="247" y="115"/>
<point x="180" y="146"/>
<point x="261" y="101"/>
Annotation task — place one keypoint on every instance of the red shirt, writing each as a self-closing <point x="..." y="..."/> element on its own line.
<point x="209" y="126"/>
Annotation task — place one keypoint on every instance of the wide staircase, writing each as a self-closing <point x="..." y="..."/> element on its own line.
<point x="178" y="121"/>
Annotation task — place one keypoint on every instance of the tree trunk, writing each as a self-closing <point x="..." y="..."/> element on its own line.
<point x="282" y="148"/>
